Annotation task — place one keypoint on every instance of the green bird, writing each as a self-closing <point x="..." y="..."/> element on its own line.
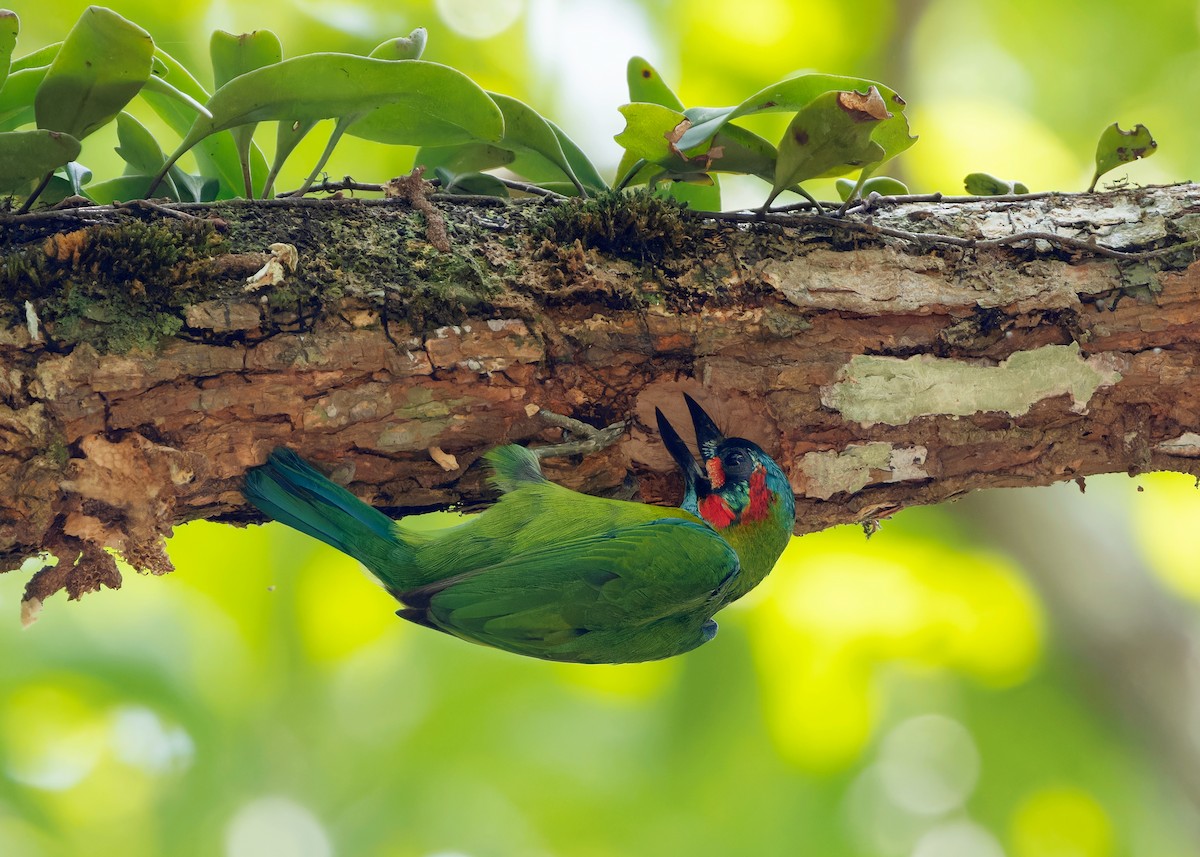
<point x="551" y="573"/>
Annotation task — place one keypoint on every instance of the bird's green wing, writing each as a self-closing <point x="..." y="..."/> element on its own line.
<point x="635" y="593"/>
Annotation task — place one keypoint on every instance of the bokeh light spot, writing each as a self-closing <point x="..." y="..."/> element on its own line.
<point x="929" y="764"/>
<point x="1061" y="822"/>
<point x="479" y="19"/>
<point x="277" y="826"/>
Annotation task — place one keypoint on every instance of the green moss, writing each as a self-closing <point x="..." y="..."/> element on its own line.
<point x="636" y="226"/>
<point x="57" y="451"/>
<point x="415" y="281"/>
<point x="117" y="286"/>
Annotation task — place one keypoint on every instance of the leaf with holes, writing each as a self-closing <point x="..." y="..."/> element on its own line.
<point x="1118" y="147"/>
<point x="647" y="85"/>
<point x="731" y="150"/>
<point x="831" y="136"/>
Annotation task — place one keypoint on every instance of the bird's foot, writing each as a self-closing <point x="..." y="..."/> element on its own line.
<point x="579" y="438"/>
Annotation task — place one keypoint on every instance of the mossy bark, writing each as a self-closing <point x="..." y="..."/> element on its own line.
<point x="140" y="375"/>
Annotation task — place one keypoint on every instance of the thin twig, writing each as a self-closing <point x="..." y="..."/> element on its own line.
<point x="150" y="205"/>
<point x="936" y="238"/>
<point x="327" y="186"/>
<point x="531" y="189"/>
<point x="592" y="438"/>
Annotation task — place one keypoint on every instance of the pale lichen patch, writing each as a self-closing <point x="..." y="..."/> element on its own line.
<point x="858" y="465"/>
<point x="896" y="391"/>
<point x="1187" y="445"/>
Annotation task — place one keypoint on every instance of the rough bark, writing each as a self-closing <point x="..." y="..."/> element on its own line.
<point x="912" y="353"/>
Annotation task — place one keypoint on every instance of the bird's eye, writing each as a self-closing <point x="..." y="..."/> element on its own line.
<point x="737" y="464"/>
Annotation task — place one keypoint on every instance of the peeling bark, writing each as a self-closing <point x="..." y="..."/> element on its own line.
<point x="881" y="370"/>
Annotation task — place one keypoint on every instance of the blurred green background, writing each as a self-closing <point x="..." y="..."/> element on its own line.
<point x="1012" y="675"/>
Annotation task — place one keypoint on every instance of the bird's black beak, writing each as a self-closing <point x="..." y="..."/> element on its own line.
<point x="708" y="438"/>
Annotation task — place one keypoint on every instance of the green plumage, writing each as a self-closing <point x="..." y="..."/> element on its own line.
<point x="545" y="572"/>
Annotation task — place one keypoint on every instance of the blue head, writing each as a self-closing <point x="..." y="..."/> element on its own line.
<point x="735" y="482"/>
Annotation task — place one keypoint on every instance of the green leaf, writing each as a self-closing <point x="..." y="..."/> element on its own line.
<point x="983" y="184"/>
<point x="29" y="155"/>
<point x="1118" y="147"/>
<point x="646" y="85"/>
<point x="76" y="175"/>
<point x="137" y="147"/>
<point x="402" y="48"/>
<point x="429" y="105"/>
<point x="104" y="62"/>
<point x="10" y="26"/>
<point x="217" y="155"/>
<point x="829" y="137"/>
<point x="732" y="149"/>
<point x="287" y="137"/>
<point x="882" y="185"/>
<point x="532" y="147"/>
<point x="120" y="189"/>
<point x="42" y="57"/>
<point x="236" y="55"/>
<point x="469" y="157"/>
<point x="526" y="132"/>
<point x="581" y="165"/>
<point x="413" y="100"/>
<point x="480" y="184"/>
<point x="16" y="99"/>
<point x="192" y="188"/>
<point x="154" y="83"/>
<point x="644" y="137"/>
<point x="793" y="95"/>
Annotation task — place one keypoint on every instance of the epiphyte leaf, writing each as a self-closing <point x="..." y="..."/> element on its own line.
<point x="29" y="155"/>
<point x="1118" y="147"/>
<point x="985" y="184"/>
<point x="10" y="26"/>
<point x="882" y="185"/>
<point x="408" y="47"/>
<point x="104" y="61"/>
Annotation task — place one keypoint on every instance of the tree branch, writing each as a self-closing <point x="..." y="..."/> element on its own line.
<point x="903" y="355"/>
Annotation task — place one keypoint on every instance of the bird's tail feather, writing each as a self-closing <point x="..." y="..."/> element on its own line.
<point x="513" y="466"/>
<point x="290" y="491"/>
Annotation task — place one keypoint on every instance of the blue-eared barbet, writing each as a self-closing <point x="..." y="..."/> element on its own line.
<point x="551" y="573"/>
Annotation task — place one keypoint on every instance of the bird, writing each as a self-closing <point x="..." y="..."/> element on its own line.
<point x="551" y="573"/>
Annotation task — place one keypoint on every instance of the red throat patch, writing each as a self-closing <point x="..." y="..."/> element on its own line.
<point x="716" y="471"/>
<point x="760" y="496"/>
<point x="716" y="511"/>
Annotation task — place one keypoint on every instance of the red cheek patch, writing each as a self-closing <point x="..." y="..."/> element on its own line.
<point x="716" y="472"/>
<point x="760" y="496"/>
<point x="716" y="511"/>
